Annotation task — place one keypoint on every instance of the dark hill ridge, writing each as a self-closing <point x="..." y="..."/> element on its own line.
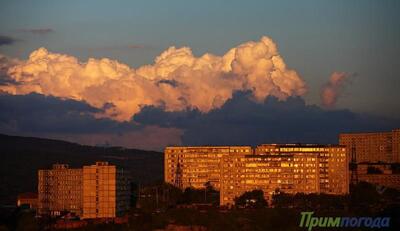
<point x="21" y="157"/>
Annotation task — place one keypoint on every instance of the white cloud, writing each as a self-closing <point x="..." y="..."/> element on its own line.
<point x="176" y="80"/>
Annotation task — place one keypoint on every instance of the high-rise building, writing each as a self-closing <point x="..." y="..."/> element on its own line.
<point x="59" y="190"/>
<point x="234" y="170"/>
<point x="95" y="191"/>
<point x="105" y="191"/>
<point x="372" y="147"/>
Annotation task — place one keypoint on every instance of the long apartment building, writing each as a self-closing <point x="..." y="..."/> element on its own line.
<point x="234" y="170"/>
<point x="96" y="191"/>
<point x="373" y="147"/>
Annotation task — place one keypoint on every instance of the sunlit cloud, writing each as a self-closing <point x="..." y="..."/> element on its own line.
<point x="332" y="90"/>
<point x="5" y="63"/>
<point x="202" y="83"/>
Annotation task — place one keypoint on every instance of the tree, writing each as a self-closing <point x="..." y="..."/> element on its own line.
<point x="207" y="195"/>
<point x="364" y="195"/>
<point x="282" y="200"/>
<point x="251" y="199"/>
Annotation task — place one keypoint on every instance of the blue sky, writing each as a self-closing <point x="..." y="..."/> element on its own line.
<point x="315" y="37"/>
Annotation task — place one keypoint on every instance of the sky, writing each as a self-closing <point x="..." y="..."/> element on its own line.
<point x="337" y="60"/>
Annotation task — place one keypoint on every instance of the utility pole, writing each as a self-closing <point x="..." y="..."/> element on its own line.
<point x="205" y="194"/>
<point x="353" y="163"/>
<point x="138" y="199"/>
<point x="156" y="197"/>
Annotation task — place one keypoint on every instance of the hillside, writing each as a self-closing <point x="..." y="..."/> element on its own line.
<point x="21" y="157"/>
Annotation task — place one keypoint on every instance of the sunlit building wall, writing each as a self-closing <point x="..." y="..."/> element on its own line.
<point x="374" y="146"/>
<point x="327" y="162"/>
<point x="235" y="170"/>
<point x="105" y="191"/>
<point x="196" y="166"/>
<point x="59" y="190"/>
<point x="96" y="191"/>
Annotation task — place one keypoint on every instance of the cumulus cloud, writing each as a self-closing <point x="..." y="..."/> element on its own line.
<point x="332" y="89"/>
<point x="5" y="64"/>
<point x="176" y="81"/>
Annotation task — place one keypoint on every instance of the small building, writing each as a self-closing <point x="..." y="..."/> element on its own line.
<point x="29" y="199"/>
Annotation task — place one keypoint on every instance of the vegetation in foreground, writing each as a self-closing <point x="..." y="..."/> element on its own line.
<point x="162" y="205"/>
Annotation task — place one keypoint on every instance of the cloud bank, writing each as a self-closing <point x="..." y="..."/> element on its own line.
<point x="51" y="117"/>
<point x="241" y="121"/>
<point x="176" y="81"/>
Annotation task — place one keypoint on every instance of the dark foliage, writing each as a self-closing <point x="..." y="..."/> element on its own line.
<point x="208" y="195"/>
<point x="253" y="199"/>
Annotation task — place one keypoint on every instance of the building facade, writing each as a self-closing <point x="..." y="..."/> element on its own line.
<point x="195" y="166"/>
<point x="234" y="170"/>
<point x="96" y="191"/>
<point x="29" y="199"/>
<point x="105" y="191"/>
<point x="373" y="147"/>
<point x="59" y="190"/>
<point x="379" y="174"/>
<point x="383" y="180"/>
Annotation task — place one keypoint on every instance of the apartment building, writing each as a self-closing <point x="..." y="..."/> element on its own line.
<point x="95" y="191"/>
<point x="59" y="190"/>
<point x="234" y="170"/>
<point x="105" y="191"/>
<point x="373" y="147"/>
